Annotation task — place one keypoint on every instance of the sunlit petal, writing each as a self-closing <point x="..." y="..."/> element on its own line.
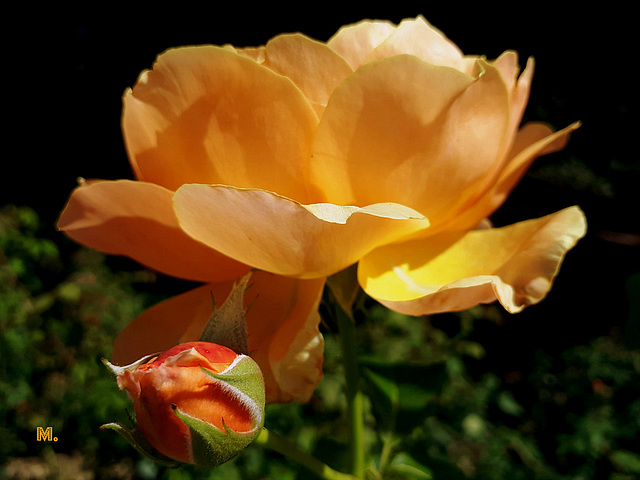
<point x="209" y="115"/>
<point x="276" y="234"/>
<point x="416" y="36"/>
<point x="136" y="219"/>
<point x="454" y="271"/>
<point x="355" y="42"/>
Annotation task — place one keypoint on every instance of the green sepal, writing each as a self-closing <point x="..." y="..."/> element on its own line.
<point x="345" y="288"/>
<point x="246" y="377"/>
<point x="227" y="325"/>
<point x="141" y="444"/>
<point x="212" y="447"/>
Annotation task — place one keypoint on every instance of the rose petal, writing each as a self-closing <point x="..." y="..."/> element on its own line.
<point x="276" y="234"/>
<point x="209" y="115"/>
<point x="356" y="41"/>
<point x="519" y="88"/>
<point x="532" y="141"/>
<point x="136" y="219"/>
<point x="282" y="324"/>
<point x="313" y="67"/>
<point x="284" y="339"/>
<point x="404" y="131"/>
<point x="454" y="271"/>
<point x="419" y="38"/>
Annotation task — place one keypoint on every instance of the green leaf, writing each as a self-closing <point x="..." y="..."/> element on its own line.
<point x="626" y="461"/>
<point x="401" y="391"/>
<point x="509" y="405"/>
<point x="405" y="466"/>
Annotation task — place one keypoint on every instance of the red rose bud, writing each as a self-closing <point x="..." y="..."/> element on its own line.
<point x="198" y="403"/>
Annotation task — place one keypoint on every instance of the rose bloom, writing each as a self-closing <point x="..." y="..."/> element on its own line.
<point x="385" y="146"/>
<point x="176" y="382"/>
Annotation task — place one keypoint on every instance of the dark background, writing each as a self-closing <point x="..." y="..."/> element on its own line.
<point x="65" y="73"/>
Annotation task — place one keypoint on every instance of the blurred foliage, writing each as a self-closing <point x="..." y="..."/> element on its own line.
<point x="435" y="406"/>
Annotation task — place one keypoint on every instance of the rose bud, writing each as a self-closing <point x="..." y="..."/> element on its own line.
<point x="198" y="402"/>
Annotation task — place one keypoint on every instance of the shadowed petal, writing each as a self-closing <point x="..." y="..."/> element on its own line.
<point x="276" y="234"/>
<point x="209" y="115"/>
<point x="282" y="325"/>
<point x="454" y="271"/>
<point x="532" y="141"/>
<point x="313" y="67"/>
<point x="136" y="219"/>
<point x="519" y="87"/>
<point x="405" y="131"/>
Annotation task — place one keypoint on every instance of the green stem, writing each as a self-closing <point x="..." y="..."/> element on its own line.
<point x="347" y="329"/>
<point x="278" y="444"/>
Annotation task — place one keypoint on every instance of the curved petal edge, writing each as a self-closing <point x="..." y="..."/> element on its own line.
<point x="515" y="265"/>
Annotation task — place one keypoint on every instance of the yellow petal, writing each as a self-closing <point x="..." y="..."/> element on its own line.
<point x="313" y="67"/>
<point x="209" y="115"/>
<point x="404" y="131"/>
<point x="419" y="38"/>
<point x="454" y="271"/>
<point x="282" y="325"/>
<point x="355" y="42"/>
<point x="136" y="219"/>
<point x="279" y="235"/>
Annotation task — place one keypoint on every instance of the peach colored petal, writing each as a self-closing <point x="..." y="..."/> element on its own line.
<point x="508" y="66"/>
<point x="419" y="38"/>
<point x="532" y="141"/>
<point x="405" y="131"/>
<point x="161" y="327"/>
<point x="356" y="41"/>
<point x="257" y="54"/>
<point x="282" y="324"/>
<point x="136" y="219"/>
<point x="313" y="67"/>
<point x="519" y="88"/>
<point x="279" y="235"/>
<point x="453" y="271"/>
<point x="209" y="115"/>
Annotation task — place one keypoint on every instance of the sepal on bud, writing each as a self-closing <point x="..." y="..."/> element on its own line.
<point x="212" y="446"/>
<point x="227" y="325"/>
<point x="138" y="441"/>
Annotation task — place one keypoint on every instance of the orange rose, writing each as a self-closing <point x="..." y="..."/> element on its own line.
<point x="198" y="402"/>
<point x="385" y="146"/>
